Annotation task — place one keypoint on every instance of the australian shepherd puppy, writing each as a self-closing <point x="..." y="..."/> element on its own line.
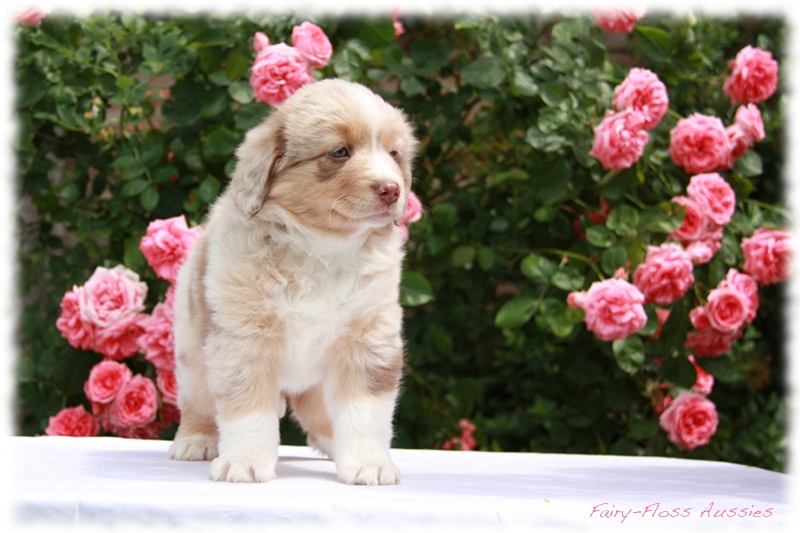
<point x="291" y="291"/>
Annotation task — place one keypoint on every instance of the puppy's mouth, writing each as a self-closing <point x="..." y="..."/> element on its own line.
<point x="379" y="215"/>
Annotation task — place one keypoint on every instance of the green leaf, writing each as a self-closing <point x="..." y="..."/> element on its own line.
<point x="543" y="141"/>
<point x="134" y="188"/>
<point x="462" y="256"/>
<point x="613" y="258"/>
<point x="551" y="119"/>
<point x="132" y="256"/>
<point x="516" y="312"/>
<point x="567" y="278"/>
<point x="347" y="64"/>
<point x="600" y="236"/>
<point x="722" y="368"/>
<point x="445" y="215"/>
<point x="149" y="199"/>
<point x="679" y="371"/>
<point x="241" y="92"/>
<point x="415" y="290"/>
<point x="486" y="258"/>
<point x="656" y="44"/>
<point x="236" y="64"/>
<point x="553" y="94"/>
<point x="665" y="217"/>
<point x="411" y="86"/>
<point x="557" y="316"/>
<point x="209" y="188"/>
<point x="216" y="103"/>
<point x="524" y="84"/>
<point x="537" y="268"/>
<point x="749" y="165"/>
<point x="552" y="180"/>
<point x="484" y="73"/>
<point x="629" y="353"/>
<point x="125" y="82"/>
<point x="163" y="174"/>
<point x="221" y="142"/>
<point x="623" y="220"/>
<point x="643" y="429"/>
<point x="249" y="115"/>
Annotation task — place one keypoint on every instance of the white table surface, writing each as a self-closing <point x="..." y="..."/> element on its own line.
<point x="94" y="483"/>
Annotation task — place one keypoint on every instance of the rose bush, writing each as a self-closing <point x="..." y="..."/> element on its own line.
<point x="517" y="213"/>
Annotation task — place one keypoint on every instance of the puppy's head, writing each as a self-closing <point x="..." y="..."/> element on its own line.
<point x="335" y="156"/>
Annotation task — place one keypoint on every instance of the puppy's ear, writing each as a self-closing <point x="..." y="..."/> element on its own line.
<point x="258" y="157"/>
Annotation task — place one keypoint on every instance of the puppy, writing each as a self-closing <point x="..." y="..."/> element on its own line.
<point x="292" y="291"/>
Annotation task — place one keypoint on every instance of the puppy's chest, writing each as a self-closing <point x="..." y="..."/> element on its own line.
<point x="314" y="317"/>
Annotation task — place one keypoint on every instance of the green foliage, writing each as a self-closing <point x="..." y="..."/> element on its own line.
<point x="124" y="119"/>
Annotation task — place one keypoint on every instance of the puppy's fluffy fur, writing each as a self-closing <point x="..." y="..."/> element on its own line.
<point x="292" y="292"/>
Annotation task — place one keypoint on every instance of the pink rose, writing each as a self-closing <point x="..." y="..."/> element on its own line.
<point x="168" y="385"/>
<point x="136" y="404"/>
<point x="690" y="420"/>
<point x="746" y="286"/>
<point x="260" y="41"/>
<point x="699" y="143"/>
<point x="748" y="118"/>
<point x="78" y="333"/>
<point x="112" y="297"/>
<point x="613" y="308"/>
<point x="466" y="441"/>
<point x="103" y="315"/>
<point x="767" y="255"/>
<point x="727" y="310"/>
<point x="399" y="29"/>
<point x="619" y="139"/>
<point x="702" y="251"/>
<point x="73" y="422"/>
<point x="106" y="379"/>
<point x="617" y="21"/>
<point x="312" y="42"/>
<point x="704" y="382"/>
<point x="278" y="71"/>
<point x="666" y="274"/>
<point x="709" y="342"/>
<point x="753" y="77"/>
<point x="166" y="245"/>
<point x="738" y="143"/>
<point x="695" y="225"/>
<point x="714" y="196"/>
<point x="643" y="92"/>
<point x="413" y="213"/>
<point x="31" y="16"/>
<point x="120" y="340"/>
<point x="157" y="342"/>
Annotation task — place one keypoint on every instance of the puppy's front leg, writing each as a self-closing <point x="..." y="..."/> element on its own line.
<point x="246" y="393"/>
<point x="361" y="398"/>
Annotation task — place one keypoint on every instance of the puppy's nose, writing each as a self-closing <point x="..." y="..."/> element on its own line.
<point x="387" y="191"/>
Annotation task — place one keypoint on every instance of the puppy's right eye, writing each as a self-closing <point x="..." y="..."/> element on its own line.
<point x="339" y="153"/>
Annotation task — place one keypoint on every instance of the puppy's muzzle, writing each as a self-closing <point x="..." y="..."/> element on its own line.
<point x="387" y="191"/>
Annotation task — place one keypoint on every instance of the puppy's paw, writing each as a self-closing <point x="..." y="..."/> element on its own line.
<point x="370" y="473"/>
<point x="194" y="448"/>
<point x="242" y="470"/>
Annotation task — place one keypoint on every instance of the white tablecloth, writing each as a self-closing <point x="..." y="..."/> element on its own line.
<point x="100" y="482"/>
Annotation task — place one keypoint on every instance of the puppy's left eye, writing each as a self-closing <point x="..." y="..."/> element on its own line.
<point x="339" y="153"/>
<point x="393" y="154"/>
